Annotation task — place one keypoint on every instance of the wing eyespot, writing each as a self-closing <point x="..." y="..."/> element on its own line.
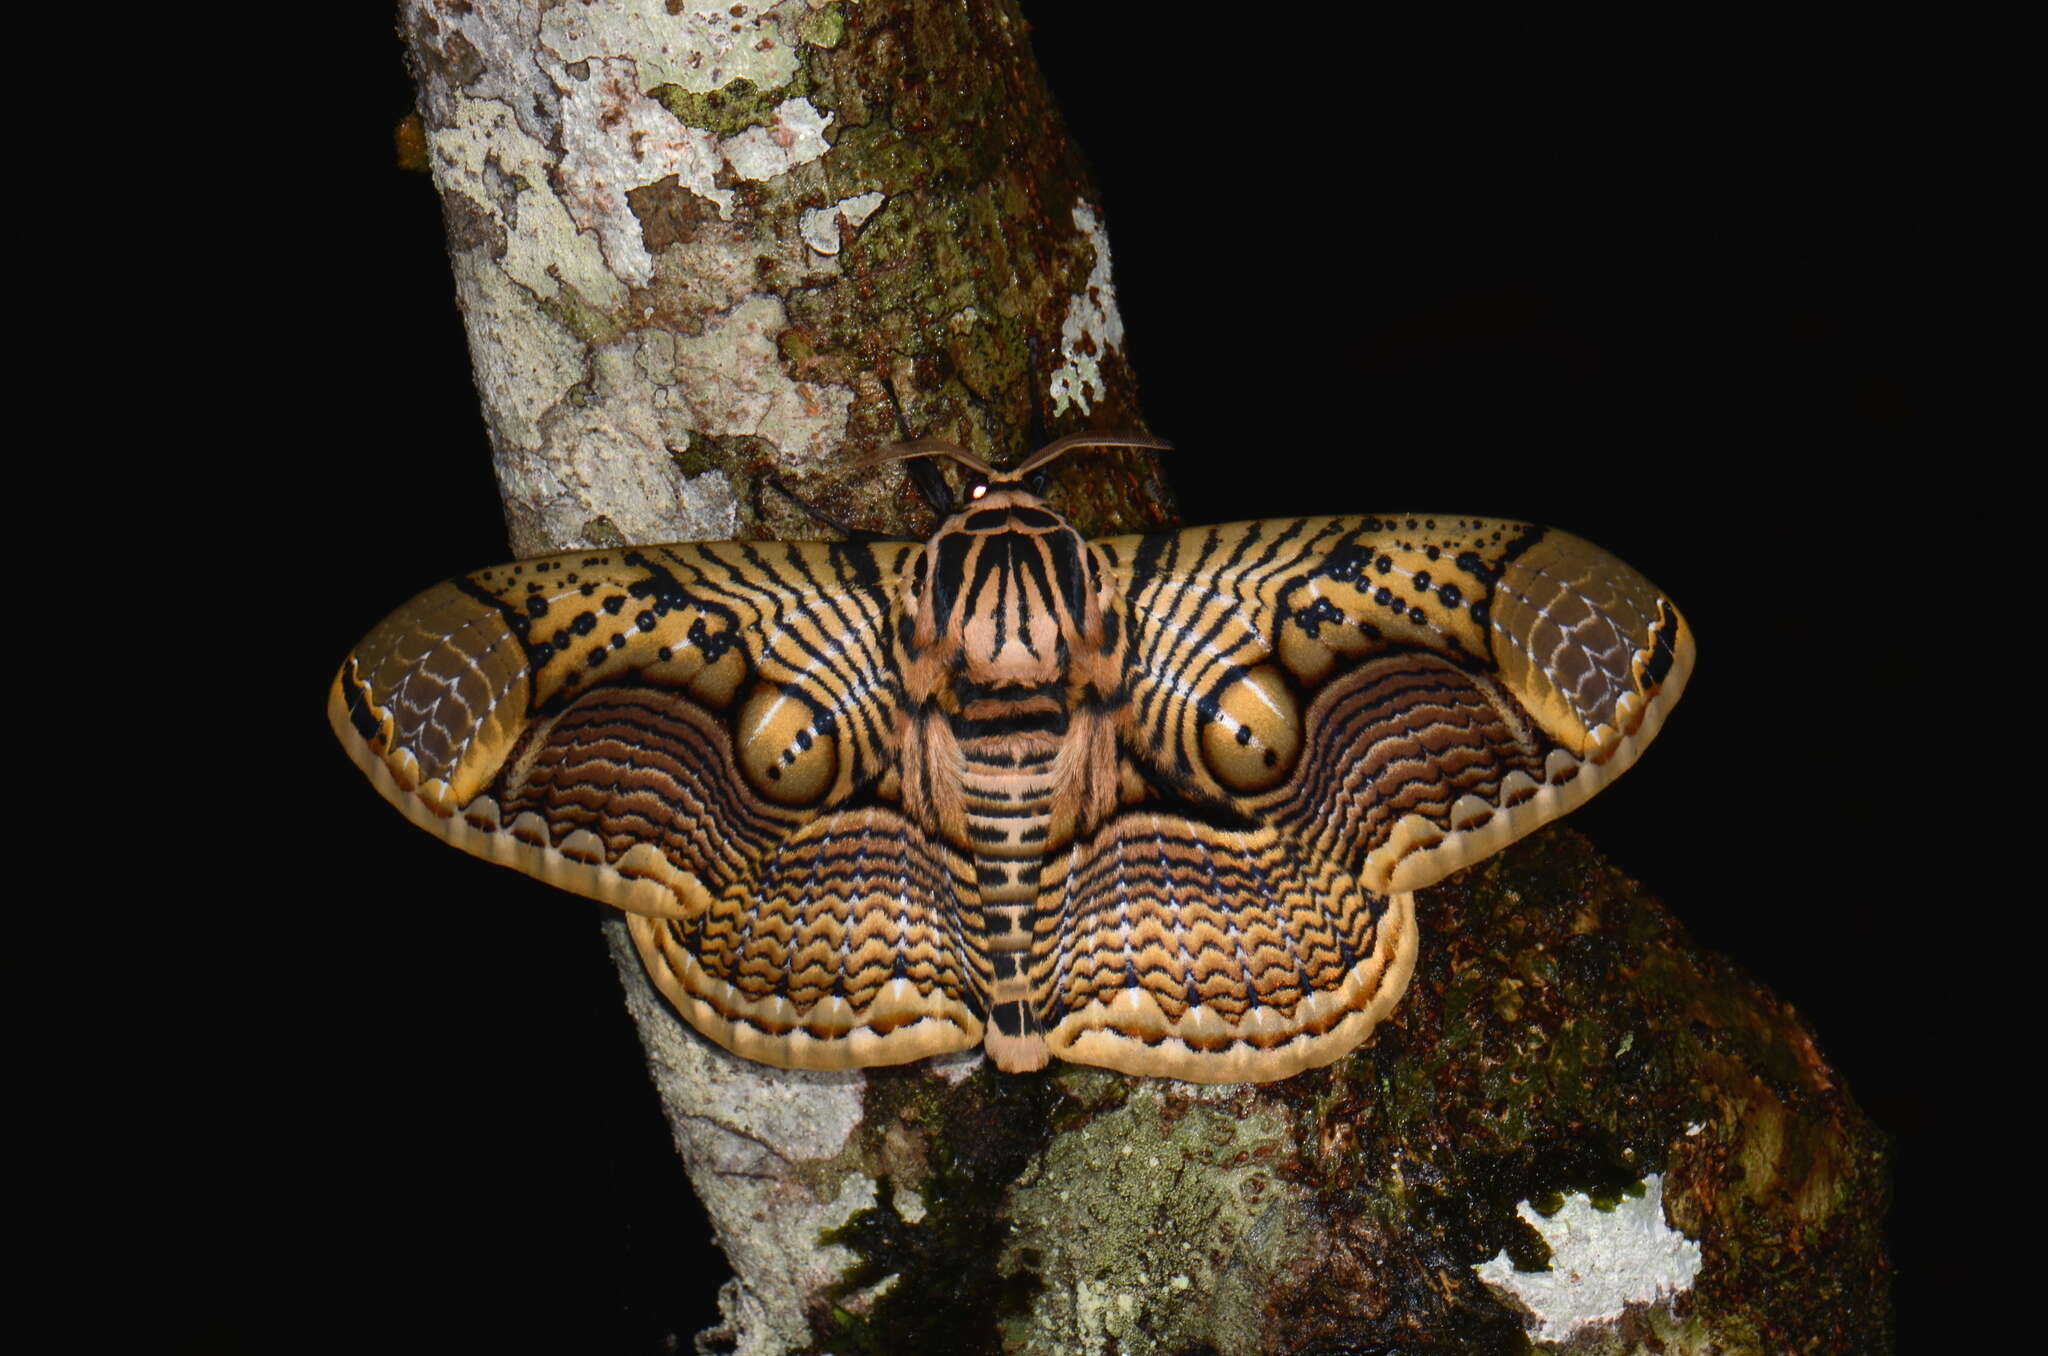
<point x="1253" y="739"/>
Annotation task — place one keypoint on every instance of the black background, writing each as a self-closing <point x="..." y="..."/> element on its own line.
<point x="1713" y="302"/>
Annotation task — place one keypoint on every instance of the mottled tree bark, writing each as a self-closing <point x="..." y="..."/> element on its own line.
<point x="691" y="241"/>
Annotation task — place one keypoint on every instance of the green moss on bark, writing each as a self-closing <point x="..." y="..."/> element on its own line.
<point x="961" y="1146"/>
<point x="1345" y="1209"/>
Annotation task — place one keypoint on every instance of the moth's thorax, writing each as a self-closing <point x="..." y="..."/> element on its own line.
<point x="1004" y="608"/>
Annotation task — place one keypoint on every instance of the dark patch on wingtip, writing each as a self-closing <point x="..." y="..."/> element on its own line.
<point x="1663" y="646"/>
<point x="357" y="706"/>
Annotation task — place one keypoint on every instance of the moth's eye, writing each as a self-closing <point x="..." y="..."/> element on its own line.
<point x="1036" y="484"/>
<point x="977" y="489"/>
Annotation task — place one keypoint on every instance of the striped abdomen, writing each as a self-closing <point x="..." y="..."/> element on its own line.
<point x="1007" y="783"/>
<point x="1009" y="787"/>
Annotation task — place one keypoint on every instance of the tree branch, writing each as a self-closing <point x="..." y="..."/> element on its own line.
<point x="690" y="248"/>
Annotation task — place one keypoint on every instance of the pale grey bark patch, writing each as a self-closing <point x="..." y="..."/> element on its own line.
<point x="766" y="1152"/>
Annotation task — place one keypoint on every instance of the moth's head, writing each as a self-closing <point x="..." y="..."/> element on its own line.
<point x="1023" y="483"/>
<point x="1005" y="580"/>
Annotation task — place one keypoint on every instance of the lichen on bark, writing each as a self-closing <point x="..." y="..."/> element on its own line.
<point x="637" y="197"/>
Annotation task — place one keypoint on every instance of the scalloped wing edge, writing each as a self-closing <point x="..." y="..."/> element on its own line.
<point x="1204" y="1047"/>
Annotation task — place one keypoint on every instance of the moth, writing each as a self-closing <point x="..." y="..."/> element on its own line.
<point x="1158" y="802"/>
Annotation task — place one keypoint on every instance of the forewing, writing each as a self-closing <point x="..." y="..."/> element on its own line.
<point x="1528" y="669"/>
<point x="676" y="731"/>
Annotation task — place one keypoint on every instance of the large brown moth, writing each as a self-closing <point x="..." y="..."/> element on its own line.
<point x="1158" y="802"/>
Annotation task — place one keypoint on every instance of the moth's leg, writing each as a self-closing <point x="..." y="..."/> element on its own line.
<point x="849" y="532"/>
<point x="930" y="481"/>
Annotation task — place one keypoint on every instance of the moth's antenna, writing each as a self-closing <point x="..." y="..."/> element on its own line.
<point x="1060" y="446"/>
<point x="902" y="424"/>
<point x="929" y="447"/>
<point x="939" y="447"/>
